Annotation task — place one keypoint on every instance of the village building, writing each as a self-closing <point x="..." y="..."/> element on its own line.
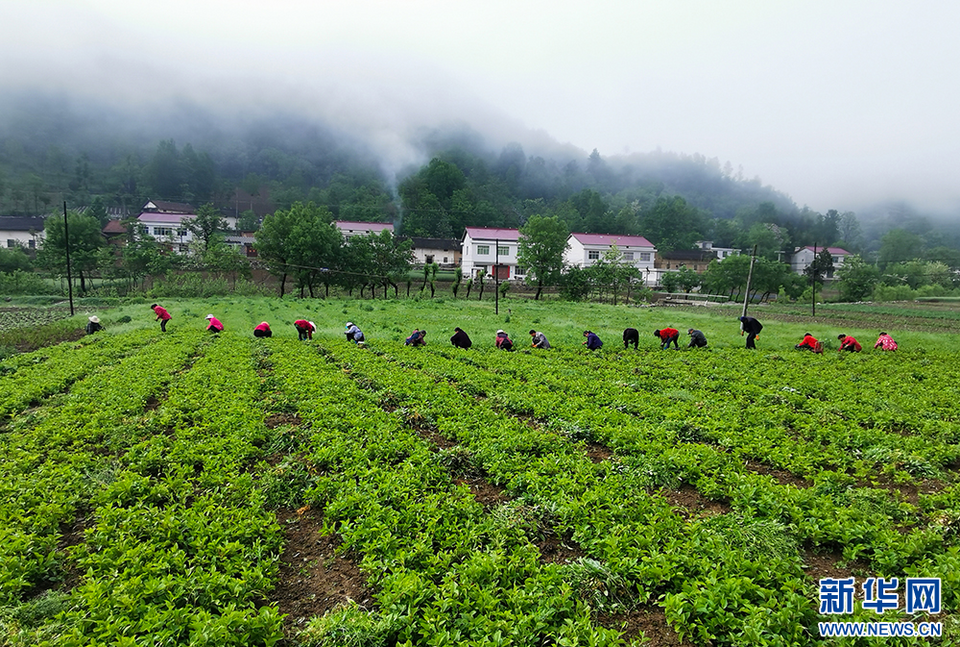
<point x="21" y="231"/>
<point x="493" y="250"/>
<point x="586" y="249"/>
<point x="351" y="228"/>
<point x="802" y="257"/>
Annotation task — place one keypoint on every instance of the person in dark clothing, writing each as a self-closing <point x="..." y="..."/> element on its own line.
<point x="631" y="336"/>
<point x="416" y="339"/>
<point x="263" y="330"/>
<point x="752" y="327"/>
<point x="668" y="335"/>
<point x="538" y="340"/>
<point x="593" y="342"/>
<point x="697" y="338"/>
<point x="460" y="339"/>
<point x="162" y="316"/>
<point x="503" y="341"/>
<point x="93" y="325"/>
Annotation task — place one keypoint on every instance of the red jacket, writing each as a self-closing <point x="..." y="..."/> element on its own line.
<point x="303" y="323"/>
<point x="215" y="324"/>
<point x="162" y="313"/>
<point x="809" y="341"/>
<point x="849" y="343"/>
<point x="264" y="327"/>
<point x="667" y="333"/>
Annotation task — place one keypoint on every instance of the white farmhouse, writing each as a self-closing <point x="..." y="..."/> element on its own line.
<point x="351" y="228"/>
<point x="21" y="231"/>
<point x="491" y="249"/>
<point x="802" y="257"/>
<point x="586" y="249"/>
<point x="167" y="222"/>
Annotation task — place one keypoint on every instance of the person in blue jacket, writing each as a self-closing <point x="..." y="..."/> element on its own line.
<point x="592" y="342"/>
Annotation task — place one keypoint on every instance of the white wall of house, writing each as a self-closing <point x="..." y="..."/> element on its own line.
<point x="586" y="249"/>
<point x="801" y="259"/>
<point x="350" y="228"/>
<point x="171" y="228"/>
<point x="479" y="250"/>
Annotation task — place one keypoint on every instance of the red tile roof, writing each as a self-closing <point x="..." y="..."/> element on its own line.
<point x="493" y="233"/>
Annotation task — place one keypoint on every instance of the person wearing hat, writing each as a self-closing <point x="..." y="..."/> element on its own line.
<point x="214" y="324"/>
<point x="305" y="329"/>
<point x="593" y="341"/>
<point x="503" y="341"/>
<point x="93" y="325"/>
<point x="162" y="316"/>
<point x="666" y="336"/>
<point x="353" y="333"/>
<point x="416" y="339"/>
<point x="538" y="340"/>
<point x="263" y="330"/>
<point x="460" y="339"/>
<point x="752" y="327"/>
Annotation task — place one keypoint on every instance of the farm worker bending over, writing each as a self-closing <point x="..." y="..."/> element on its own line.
<point x="305" y="329"/>
<point x="631" y="336"/>
<point x="263" y="330"/>
<point x="538" y="340"/>
<point x="93" y="325"/>
<point x="593" y="342"/>
<point x="162" y="316"/>
<point x="885" y="342"/>
<point x="752" y="327"/>
<point x="460" y="339"/>
<point x="354" y="334"/>
<point x="666" y="336"/>
<point x="503" y="341"/>
<point x="697" y="338"/>
<point x="848" y="343"/>
<point x="214" y="324"/>
<point x="809" y="342"/>
<point x="416" y="339"/>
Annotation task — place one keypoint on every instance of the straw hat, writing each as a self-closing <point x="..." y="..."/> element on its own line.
<point x="500" y="332"/>
<point x="209" y="317"/>
<point x="94" y="319"/>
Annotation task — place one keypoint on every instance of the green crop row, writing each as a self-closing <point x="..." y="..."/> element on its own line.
<point x="445" y="571"/>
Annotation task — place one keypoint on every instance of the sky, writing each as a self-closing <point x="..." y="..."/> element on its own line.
<point x="838" y="104"/>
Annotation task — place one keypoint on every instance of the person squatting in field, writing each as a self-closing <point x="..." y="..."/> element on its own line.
<point x="93" y="325"/>
<point x="416" y="338"/>
<point x="460" y="339"/>
<point x="305" y="329"/>
<point x="162" y="316"/>
<point x="354" y="334"/>
<point x="592" y="342"/>
<point x="213" y="324"/>
<point x="697" y="338"/>
<point x="263" y="330"/>
<point x="503" y="341"/>
<point x="631" y="336"/>
<point x="809" y="342"/>
<point x="538" y="340"/>
<point x="885" y="342"/>
<point x="666" y="336"/>
<point x="848" y="343"/>
<point x="752" y="327"/>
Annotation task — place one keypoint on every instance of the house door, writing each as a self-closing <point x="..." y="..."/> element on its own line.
<point x="502" y="272"/>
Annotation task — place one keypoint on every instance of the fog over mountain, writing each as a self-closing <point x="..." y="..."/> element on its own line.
<point x="839" y="106"/>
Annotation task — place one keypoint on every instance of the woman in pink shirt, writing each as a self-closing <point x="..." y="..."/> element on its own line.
<point x="214" y="326"/>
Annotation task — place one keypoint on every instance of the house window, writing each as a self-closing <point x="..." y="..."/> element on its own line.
<point x="520" y="271"/>
<point x="628" y="256"/>
<point x="444" y="259"/>
<point x="162" y="231"/>
<point x="429" y="259"/>
<point x="644" y="256"/>
<point x="32" y="243"/>
<point x="11" y="242"/>
<point x="593" y="255"/>
<point x="836" y="259"/>
<point x="181" y="232"/>
<point x="483" y="250"/>
<point x="144" y="229"/>
<point x="480" y="268"/>
<point x="503" y="251"/>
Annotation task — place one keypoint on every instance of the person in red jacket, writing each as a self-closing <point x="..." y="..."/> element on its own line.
<point x="263" y="330"/>
<point x="666" y="336"/>
<point x="305" y="329"/>
<point x="214" y="324"/>
<point x="162" y="316"/>
<point x="848" y="343"/>
<point x="809" y="342"/>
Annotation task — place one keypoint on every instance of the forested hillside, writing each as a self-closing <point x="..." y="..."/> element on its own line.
<point x="53" y="150"/>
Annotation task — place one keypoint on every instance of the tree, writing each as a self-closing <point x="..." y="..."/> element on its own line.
<point x="820" y="267"/>
<point x="543" y="240"/>
<point x="857" y="279"/>
<point x="14" y="259"/>
<point x="672" y="224"/>
<point x="206" y="227"/>
<point x="285" y="241"/>
<point x="85" y="243"/>
<point x="899" y="246"/>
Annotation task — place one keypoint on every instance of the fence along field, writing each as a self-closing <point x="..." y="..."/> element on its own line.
<point x="152" y="482"/>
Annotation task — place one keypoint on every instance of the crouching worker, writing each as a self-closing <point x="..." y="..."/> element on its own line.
<point x="416" y="338"/>
<point x="809" y="342"/>
<point x="848" y="343"/>
<point x="460" y="339"/>
<point x="631" y="336"/>
<point x="668" y="335"/>
<point x="697" y="338"/>
<point x="93" y="325"/>
<point x="885" y="342"/>
<point x="263" y="330"/>
<point x="305" y="329"/>
<point x="214" y="325"/>
<point x="503" y="341"/>
<point x="538" y="340"/>
<point x="162" y="316"/>
<point x="354" y="334"/>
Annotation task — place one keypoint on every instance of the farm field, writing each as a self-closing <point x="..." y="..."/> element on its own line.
<point x="184" y="488"/>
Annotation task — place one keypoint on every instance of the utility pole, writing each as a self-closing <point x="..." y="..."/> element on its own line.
<point x="496" y="279"/>
<point x="746" y="297"/>
<point x="813" y="278"/>
<point x="66" y="243"/>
